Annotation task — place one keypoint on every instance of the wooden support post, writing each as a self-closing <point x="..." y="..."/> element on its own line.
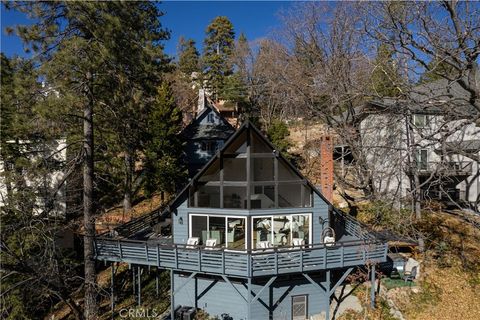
<point x="172" y="296"/>
<point x="249" y="299"/>
<point x="139" y="291"/>
<point x="196" y="292"/>
<point x="372" y="287"/>
<point x="112" y="292"/>
<point x="157" y="283"/>
<point x="327" y="294"/>
<point x="134" y="287"/>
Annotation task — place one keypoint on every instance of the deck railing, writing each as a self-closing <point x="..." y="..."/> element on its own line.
<point x="281" y="260"/>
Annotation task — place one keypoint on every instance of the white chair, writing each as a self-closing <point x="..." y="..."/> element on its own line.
<point x="329" y="241"/>
<point x="210" y="244"/>
<point x="298" y="242"/>
<point x="328" y="236"/>
<point x="264" y="245"/>
<point x="192" y="242"/>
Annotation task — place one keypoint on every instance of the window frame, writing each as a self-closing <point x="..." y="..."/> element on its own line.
<point x="419" y="116"/>
<point x="306" y="306"/>
<point x="289" y="216"/>
<point x="225" y="246"/>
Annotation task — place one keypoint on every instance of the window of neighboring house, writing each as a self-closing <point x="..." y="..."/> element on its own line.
<point x="422" y="159"/>
<point x="210" y="146"/>
<point x="211" y="118"/>
<point x="420" y="120"/>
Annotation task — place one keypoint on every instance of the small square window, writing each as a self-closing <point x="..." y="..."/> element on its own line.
<point x="420" y="120"/>
<point x="211" y="118"/>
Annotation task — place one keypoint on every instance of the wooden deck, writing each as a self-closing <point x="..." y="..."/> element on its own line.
<point x="274" y="261"/>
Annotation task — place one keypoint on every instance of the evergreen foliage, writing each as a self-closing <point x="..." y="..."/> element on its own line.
<point x="188" y="56"/>
<point x="163" y="168"/>
<point x="219" y="46"/>
<point x="278" y="134"/>
<point x="385" y="76"/>
<point x="81" y="50"/>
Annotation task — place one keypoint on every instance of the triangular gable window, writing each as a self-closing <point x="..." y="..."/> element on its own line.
<point x="249" y="174"/>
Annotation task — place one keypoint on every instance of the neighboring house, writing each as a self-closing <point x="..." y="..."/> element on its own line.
<point x="204" y="136"/>
<point x="248" y="238"/>
<point x="44" y="176"/>
<point x="432" y="135"/>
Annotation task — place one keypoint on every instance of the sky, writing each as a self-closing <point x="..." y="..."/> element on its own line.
<point x="257" y="19"/>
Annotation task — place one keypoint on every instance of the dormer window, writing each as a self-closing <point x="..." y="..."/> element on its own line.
<point x="420" y="120"/>
<point x="211" y="118"/>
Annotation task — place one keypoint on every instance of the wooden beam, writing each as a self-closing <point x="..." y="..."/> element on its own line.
<point x="327" y="285"/>
<point x="318" y="285"/>
<point x="231" y="284"/>
<point x="372" y="287"/>
<point x="269" y="282"/>
<point x="339" y="282"/>
<point x="190" y="277"/>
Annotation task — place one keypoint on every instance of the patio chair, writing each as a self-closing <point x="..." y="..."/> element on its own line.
<point x="264" y="245"/>
<point x="298" y="242"/>
<point x="210" y="244"/>
<point x="192" y="242"/>
<point x="410" y="275"/>
<point x="328" y="236"/>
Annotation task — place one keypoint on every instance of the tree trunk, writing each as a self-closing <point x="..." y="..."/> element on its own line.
<point x="127" y="195"/>
<point x="88" y="214"/>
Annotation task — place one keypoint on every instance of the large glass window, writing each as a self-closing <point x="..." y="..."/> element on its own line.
<point x="261" y="231"/>
<point x="212" y="173"/>
<point x="271" y="181"/>
<point x="236" y="233"/>
<point x="285" y="173"/>
<point x="235" y="197"/>
<point x="199" y="227"/>
<point x="228" y="231"/>
<point x="282" y="230"/>
<point x="262" y="169"/>
<point x="262" y="197"/>
<point x="216" y="229"/>
<point x="290" y="195"/>
<point x="259" y="146"/>
<point x="208" y="197"/>
<point x="235" y="169"/>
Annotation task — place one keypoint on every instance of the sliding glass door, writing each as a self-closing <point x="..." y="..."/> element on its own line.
<point x="280" y="230"/>
<point x="228" y="231"/>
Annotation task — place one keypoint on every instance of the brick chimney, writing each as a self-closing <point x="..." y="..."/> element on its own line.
<point x="326" y="167"/>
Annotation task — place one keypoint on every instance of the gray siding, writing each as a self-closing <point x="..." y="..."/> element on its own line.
<point x="319" y="209"/>
<point x="180" y="231"/>
<point x="273" y="303"/>
<point x="219" y="298"/>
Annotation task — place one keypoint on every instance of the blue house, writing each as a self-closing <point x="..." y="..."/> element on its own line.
<point x="204" y="136"/>
<point x="251" y="238"/>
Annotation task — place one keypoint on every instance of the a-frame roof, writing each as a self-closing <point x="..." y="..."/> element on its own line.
<point x="196" y="130"/>
<point x="238" y="135"/>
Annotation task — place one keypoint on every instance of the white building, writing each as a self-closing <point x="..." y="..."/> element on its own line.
<point x="434" y="133"/>
<point x="44" y="176"/>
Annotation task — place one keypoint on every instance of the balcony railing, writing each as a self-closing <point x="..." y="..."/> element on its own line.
<point x="273" y="261"/>
<point x="446" y="168"/>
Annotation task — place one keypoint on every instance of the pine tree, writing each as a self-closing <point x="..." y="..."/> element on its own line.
<point x="188" y="56"/>
<point x="163" y="168"/>
<point x="437" y="70"/>
<point x="278" y="134"/>
<point x="82" y="51"/>
<point x="386" y="79"/>
<point x="219" y="46"/>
